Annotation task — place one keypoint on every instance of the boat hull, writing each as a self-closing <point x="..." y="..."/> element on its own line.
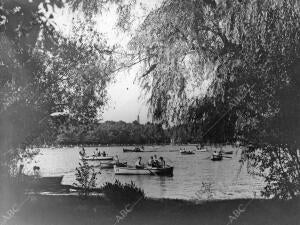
<point x="99" y="158"/>
<point x="107" y="165"/>
<point x="168" y="171"/>
<point x="131" y="150"/>
<point x="187" y="152"/>
<point x="216" y="157"/>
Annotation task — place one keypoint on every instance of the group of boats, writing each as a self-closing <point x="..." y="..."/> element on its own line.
<point x="136" y="149"/>
<point x="215" y="156"/>
<point x="121" y="168"/>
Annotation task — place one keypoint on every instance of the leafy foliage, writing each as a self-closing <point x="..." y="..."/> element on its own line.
<point x="42" y="72"/>
<point x="85" y="176"/>
<point x="230" y="69"/>
<point x="120" y="193"/>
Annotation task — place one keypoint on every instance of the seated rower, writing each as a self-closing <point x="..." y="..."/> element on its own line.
<point x="97" y="153"/>
<point x="155" y="161"/>
<point x="151" y="161"/>
<point x="116" y="158"/>
<point x="138" y="163"/>
<point x="162" y="163"/>
<point x="104" y="154"/>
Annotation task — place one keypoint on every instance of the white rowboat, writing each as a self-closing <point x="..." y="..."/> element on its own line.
<point x="167" y="171"/>
<point x="187" y="152"/>
<point x="98" y="158"/>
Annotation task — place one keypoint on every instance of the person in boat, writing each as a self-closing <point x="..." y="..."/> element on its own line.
<point x="97" y="152"/>
<point x="155" y="163"/>
<point x="138" y="163"/>
<point x="116" y="158"/>
<point x="162" y="163"/>
<point x="151" y="161"/>
<point x="104" y="154"/>
<point x="117" y="161"/>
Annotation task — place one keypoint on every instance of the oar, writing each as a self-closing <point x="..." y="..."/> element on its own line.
<point x="150" y="171"/>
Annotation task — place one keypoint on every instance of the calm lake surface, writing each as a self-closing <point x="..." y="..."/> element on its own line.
<point x="228" y="179"/>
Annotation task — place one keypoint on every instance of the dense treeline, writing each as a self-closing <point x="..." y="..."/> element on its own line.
<point x="109" y="132"/>
<point x="64" y="131"/>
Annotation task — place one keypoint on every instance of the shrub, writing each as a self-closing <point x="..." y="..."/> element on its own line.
<point x="85" y="176"/>
<point x="120" y="193"/>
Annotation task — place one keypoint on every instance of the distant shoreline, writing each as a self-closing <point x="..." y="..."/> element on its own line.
<point x="130" y="145"/>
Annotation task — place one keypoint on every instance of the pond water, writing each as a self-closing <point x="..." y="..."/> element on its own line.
<point x="226" y="179"/>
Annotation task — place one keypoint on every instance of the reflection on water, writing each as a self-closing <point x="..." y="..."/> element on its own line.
<point x="227" y="178"/>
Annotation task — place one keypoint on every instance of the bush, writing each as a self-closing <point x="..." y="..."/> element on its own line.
<point x="85" y="176"/>
<point x="120" y="193"/>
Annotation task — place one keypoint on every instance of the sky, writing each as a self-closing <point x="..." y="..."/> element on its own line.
<point x="124" y="93"/>
<point x="125" y="102"/>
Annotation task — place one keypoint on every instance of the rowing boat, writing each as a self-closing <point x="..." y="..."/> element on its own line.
<point x="132" y="150"/>
<point x="107" y="164"/>
<point x="186" y="152"/>
<point x="99" y="158"/>
<point x="167" y="171"/>
<point x="216" y="156"/>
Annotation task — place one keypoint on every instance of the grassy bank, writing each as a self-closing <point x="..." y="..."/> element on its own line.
<point x="62" y="210"/>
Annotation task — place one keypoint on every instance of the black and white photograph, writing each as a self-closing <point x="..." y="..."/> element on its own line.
<point x="149" y="112"/>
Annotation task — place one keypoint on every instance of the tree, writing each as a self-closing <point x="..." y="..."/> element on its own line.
<point x="229" y="67"/>
<point x="85" y="176"/>
<point x="42" y="72"/>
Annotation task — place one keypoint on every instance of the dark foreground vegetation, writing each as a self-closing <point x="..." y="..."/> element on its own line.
<point x="64" y="210"/>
